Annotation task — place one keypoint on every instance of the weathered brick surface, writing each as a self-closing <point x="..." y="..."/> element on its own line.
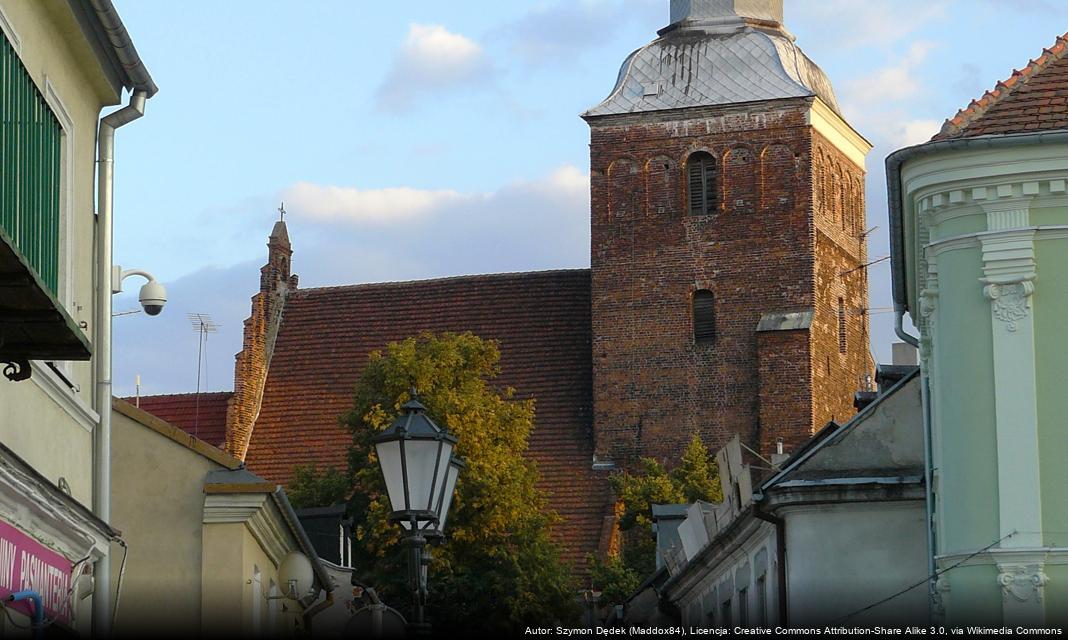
<point x="261" y="330"/>
<point x="840" y="251"/>
<point x="759" y="253"/>
<point x="784" y="357"/>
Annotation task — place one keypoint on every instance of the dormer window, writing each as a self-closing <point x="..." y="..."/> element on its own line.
<point x="701" y="183"/>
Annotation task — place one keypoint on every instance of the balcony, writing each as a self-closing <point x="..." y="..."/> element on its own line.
<point x="33" y="324"/>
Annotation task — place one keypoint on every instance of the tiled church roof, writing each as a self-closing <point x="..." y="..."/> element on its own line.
<point x="1034" y="98"/>
<point x="542" y="321"/>
<point x="208" y="422"/>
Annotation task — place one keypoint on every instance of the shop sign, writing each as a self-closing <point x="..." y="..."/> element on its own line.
<point x="26" y="564"/>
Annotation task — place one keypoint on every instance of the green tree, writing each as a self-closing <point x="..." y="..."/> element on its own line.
<point x="695" y="478"/>
<point x="312" y="487"/>
<point x="499" y="568"/>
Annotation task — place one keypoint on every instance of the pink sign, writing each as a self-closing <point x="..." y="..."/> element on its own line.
<point x="26" y="564"/>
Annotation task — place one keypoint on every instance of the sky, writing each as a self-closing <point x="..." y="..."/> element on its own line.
<point x="423" y="138"/>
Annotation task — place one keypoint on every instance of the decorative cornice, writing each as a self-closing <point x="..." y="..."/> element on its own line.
<point x="1001" y="196"/>
<point x="1008" y="256"/>
<point x="1022" y="555"/>
<point x="38" y="509"/>
<point x="259" y="515"/>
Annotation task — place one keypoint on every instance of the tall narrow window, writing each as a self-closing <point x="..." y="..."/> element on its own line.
<point x="762" y="601"/>
<point x="701" y="183"/>
<point x="704" y="317"/>
<point x="841" y="326"/>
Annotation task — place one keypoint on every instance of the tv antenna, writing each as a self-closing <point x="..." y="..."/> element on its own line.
<point x="203" y="325"/>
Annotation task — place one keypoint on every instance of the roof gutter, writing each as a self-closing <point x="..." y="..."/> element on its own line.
<point x="100" y="19"/>
<point x="282" y="501"/>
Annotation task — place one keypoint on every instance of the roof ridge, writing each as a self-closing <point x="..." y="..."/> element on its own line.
<point x="978" y="107"/>
<point x="182" y="394"/>
<point x="472" y="276"/>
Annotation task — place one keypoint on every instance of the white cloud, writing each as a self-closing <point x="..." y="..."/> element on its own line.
<point x="560" y="31"/>
<point x="432" y="59"/>
<point x="912" y="132"/>
<point x="894" y="82"/>
<point x="376" y="206"/>
<point x="848" y="23"/>
<point x="883" y="103"/>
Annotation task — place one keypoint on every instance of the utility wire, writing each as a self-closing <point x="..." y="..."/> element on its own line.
<point x="926" y="580"/>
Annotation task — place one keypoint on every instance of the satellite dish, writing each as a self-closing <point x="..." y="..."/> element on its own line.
<point x="376" y="621"/>
<point x="296" y="575"/>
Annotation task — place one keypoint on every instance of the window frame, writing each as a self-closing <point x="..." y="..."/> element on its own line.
<point x="703" y="316"/>
<point x="709" y="183"/>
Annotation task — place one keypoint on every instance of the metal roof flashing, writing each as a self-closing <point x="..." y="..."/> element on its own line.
<point x="712" y="56"/>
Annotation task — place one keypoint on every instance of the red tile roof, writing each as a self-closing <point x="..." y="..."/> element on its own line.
<point x="208" y="422"/>
<point x="1034" y="98"/>
<point x="542" y="321"/>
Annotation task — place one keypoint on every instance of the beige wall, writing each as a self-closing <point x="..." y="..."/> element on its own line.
<point x="224" y="575"/>
<point x="184" y="574"/>
<point x="49" y="425"/>
<point x="157" y="503"/>
<point x="233" y="601"/>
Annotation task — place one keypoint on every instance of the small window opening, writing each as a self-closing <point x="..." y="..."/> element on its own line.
<point x="701" y="183"/>
<point x="704" y="317"/>
<point x="841" y="326"/>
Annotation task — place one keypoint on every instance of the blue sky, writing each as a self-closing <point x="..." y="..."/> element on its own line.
<point x="425" y="138"/>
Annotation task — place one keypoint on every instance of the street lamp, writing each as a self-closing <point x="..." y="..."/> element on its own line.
<point x="418" y="467"/>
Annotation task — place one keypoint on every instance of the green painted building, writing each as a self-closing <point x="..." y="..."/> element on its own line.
<point x="979" y="234"/>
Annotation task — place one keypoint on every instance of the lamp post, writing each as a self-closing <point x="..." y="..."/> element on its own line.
<point x="420" y="474"/>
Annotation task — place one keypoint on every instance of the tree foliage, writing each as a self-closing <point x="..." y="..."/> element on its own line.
<point x="312" y="487"/>
<point x="499" y="568"/>
<point x="695" y="478"/>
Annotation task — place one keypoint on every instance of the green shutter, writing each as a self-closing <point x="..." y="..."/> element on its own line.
<point x="30" y="139"/>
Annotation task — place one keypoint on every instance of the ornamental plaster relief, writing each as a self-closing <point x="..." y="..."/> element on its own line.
<point x="1022" y="582"/>
<point x="1011" y="303"/>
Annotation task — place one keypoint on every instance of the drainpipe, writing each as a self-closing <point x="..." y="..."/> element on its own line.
<point x="928" y="461"/>
<point x="102" y="441"/>
<point x="780" y="551"/>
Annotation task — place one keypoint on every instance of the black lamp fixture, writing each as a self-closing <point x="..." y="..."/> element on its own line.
<point x="420" y="473"/>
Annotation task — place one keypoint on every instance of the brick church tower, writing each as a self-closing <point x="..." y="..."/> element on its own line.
<point x="729" y="292"/>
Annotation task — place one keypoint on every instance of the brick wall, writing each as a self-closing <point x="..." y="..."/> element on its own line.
<point x="758" y="253"/>
<point x="840" y="251"/>
<point x="784" y="358"/>
<point x="261" y="330"/>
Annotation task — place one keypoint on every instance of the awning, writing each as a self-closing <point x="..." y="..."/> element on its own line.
<point x="33" y="325"/>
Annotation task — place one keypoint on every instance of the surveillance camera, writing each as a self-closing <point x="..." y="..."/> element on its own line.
<point x="153" y="297"/>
